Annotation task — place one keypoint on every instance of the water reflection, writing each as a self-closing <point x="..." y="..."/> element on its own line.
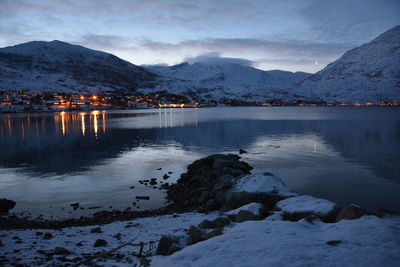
<point x="305" y="150"/>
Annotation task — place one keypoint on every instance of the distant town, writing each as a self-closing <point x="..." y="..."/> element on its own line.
<point x="25" y="101"/>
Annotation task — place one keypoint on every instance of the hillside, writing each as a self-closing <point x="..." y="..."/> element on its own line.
<point x="369" y="73"/>
<point x="59" y="66"/>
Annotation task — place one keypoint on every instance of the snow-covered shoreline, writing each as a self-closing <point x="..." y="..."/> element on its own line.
<point x="260" y="223"/>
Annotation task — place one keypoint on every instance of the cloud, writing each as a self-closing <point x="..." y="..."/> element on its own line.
<point x="284" y="48"/>
<point x="215" y="58"/>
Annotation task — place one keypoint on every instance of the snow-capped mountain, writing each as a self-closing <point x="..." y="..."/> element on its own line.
<point x="59" y="66"/>
<point x="369" y="73"/>
<point x="211" y="80"/>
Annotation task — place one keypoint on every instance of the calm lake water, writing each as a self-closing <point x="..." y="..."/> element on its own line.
<point x="48" y="161"/>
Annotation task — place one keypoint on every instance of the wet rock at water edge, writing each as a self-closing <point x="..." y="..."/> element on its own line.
<point x="75" y="205"/>
<point x="206" y="178"/>
<point x="100" y="243"/>
<point x="143" y="197"/>
<point x="242" y="151"/>
<point x="6" y="205"/>
<point x="334" y="242"/>
<point x="165" y="176"/>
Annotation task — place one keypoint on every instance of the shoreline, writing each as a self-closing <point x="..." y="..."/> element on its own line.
<point x="206" y="106"/>
<point x="205" y="227"/>
<point x="13" y="221"/>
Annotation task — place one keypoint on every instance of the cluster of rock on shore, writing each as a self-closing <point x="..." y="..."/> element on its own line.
<point x="224" y="183"/>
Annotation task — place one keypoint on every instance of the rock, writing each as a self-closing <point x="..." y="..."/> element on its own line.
<point x="165" y="186"/>
<point x="75" y="205"/>
<point x="153" y="182"/>
<point x="296" y="208"/>
<point x="132" y="187"/>
<point x="214" y="233"/>
<point x="170" y="244"/>
<point x="95" y="230"/>
<point x="221" y="221"/>
<point x="261" y="188"/>
<point x="6" y="205"/>
<point x="61" y="251"/>
<point x="100" y="243"/>
<point x="241" y="151"/>
<point x="174" y="248"/>
<point x="79" y="244"/>
<point x="47" y="236"/>
<point x="211" y="204"/>
<point x="251" y="211"/>
<point x="166" y="176"/>
<point x="232" y="171"/>
<point x="334" y="242"/>
<point x="196" y="235"/>
<point x="204" y="197"/>
<point x="143" y="197"/>
<point x="225" y="181"/>
<point x="159" y="169"/>
<point x="207" y="224"/>
<point x="206" y="178"/>
<point x="244" y="215"/>
<point x="350" y="212"/>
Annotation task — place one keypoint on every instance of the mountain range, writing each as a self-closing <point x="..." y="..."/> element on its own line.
<point x="369" y="73"/>
<point x="211" y="80"/>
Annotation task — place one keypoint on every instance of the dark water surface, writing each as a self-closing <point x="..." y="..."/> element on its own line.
<point x="47" y="161"/>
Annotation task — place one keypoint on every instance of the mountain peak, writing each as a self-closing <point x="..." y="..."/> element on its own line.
<point x="369" y="73"/>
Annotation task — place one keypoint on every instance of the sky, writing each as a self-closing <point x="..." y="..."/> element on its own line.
<point x="293" y="35"/>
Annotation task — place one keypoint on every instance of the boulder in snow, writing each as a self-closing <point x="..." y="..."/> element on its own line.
<point x="350" y="212"/>
<point x="296" y="208"/>
<point x="262" y="188"/>
<point x="252" y="211"/>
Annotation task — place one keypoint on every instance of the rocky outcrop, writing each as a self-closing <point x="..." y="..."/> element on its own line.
<point x="207" y="181"/>
<point x="6" y="205"/>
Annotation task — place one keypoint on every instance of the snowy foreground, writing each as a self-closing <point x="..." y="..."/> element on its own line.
<point x="280" y="239"/>
<point x="22" y="245"/>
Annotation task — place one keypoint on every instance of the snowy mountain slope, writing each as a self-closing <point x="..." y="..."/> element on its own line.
<point x="369" y="73"/>
<point x="59" y="66"/>
<point x="225" y="80"/>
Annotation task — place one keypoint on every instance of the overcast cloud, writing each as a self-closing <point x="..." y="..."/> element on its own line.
<point x="270" y="34"/>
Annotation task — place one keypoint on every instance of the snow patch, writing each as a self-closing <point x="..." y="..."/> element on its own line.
<point x="306" y="204"/>
<point x="260" y="183"/>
